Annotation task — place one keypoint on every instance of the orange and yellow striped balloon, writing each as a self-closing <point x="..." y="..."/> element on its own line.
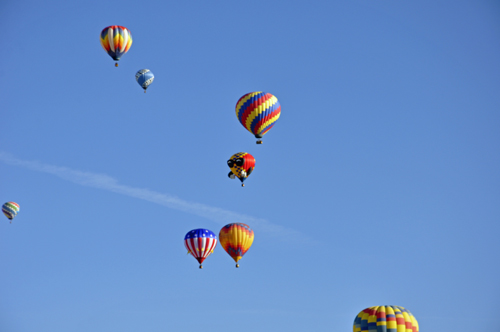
<point x="236" y="239"/>
<point x="116" y="41"/>
<point x="387" y="318"/>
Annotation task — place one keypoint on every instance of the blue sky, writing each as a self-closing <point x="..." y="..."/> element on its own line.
<point x="379" y="184"/>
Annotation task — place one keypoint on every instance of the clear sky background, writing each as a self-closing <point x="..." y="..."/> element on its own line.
<point x="379" y="184"/>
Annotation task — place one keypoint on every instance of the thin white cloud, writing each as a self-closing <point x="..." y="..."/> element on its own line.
<point x="105" y="182"/>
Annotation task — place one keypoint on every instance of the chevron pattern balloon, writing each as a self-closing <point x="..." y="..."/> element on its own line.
<point x="116" y="41"/>
<point x="257" y="112"/>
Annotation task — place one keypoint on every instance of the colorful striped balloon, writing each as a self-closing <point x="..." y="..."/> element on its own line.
<point x="200" y="243"/>
<point x="10" y="209"/>
<point x="257" y="112"/>
<point x="387" y="318"/>
<point x="242" y="165"/>
<point x="116" y="41"/>
<point x="236" y="239"/>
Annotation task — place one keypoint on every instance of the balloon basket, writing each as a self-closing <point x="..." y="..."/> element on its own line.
<point x="242" y="184"/>
<point x="237" y="265"/>
<point x="201" y="266"/>
<point x="116" y="64"/>
<point x="259" y="142"/>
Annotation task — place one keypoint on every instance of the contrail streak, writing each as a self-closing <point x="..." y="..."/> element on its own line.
<point x="105" y="182"/>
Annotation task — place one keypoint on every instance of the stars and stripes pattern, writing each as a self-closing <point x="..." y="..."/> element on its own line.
<point x="258" y="111"/>
<point x="385" y="319"/>
<point x="116" y="41"/>
<point x="200" y="243"/>
<point x="10" y="209"/>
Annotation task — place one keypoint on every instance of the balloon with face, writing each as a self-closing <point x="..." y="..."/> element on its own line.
<point x="242" y="165"/>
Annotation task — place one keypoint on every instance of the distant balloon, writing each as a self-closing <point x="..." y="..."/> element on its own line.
<point x="387" y="318"/>
<point x="10" y="209"/>
<point x="200" y="243"/>
<point x="257" y="112"/>
<point x="116" y="41"/>
<point x="236" y="239"/>
<point x="242" y="165"/>
<point x="144" y="77"/>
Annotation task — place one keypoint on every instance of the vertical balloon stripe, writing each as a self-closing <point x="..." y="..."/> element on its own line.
<point x="111" y="41"/>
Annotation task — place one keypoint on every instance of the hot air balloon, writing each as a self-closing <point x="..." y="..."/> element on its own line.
<point x="236" y="239"/>
<point x="257" y="112"/>
<point x="144" y="77"/>
<point x="387" y="318"/>
<point x="10" y="209"/>
<point x="116" y="41"/>
<point x="241" y="165"/>
<point x="200" y="243"/>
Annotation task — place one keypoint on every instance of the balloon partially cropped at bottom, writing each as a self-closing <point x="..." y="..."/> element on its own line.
<point x="385" y="319"/>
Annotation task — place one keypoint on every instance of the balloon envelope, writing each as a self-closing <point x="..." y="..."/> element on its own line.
<point x="200" y="243"/>
<point x="236" y="239"/>
<point x="10" y="209"/>
<point x="241" y="165"/>
<point x="258" y="111"/>
<point x="116" y="41"/>
<point x="387" y="318"/>
<point x="144" y="77"/>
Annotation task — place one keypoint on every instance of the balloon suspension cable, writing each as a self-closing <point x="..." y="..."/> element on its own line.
<point x="237" y="265"/>
<point x="116" y="64"/>
<point x="201" y="266"/>
<point x="144" y="90"/>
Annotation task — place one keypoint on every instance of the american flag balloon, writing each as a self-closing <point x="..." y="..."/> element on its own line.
<point x="200" y="243"/>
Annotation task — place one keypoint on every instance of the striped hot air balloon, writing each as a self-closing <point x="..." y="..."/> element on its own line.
<point x="236" y="239"/>
<point x="116" y="41"/>
<point x="10" y="209"/>
<point x="257" y="112"/>
<point x="387" y="318"/>
<point x="242" y="165"/>
<point x="200" y="243"/>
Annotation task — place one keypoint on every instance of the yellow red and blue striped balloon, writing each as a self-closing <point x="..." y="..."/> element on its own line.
<point x="257" y="112"/>
<point x="116" y="41"/>
<point x="387" y="318"/>
<point x="236" y="239"/>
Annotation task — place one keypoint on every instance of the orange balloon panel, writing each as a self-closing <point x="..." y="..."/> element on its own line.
<point x="236" y="239"/>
